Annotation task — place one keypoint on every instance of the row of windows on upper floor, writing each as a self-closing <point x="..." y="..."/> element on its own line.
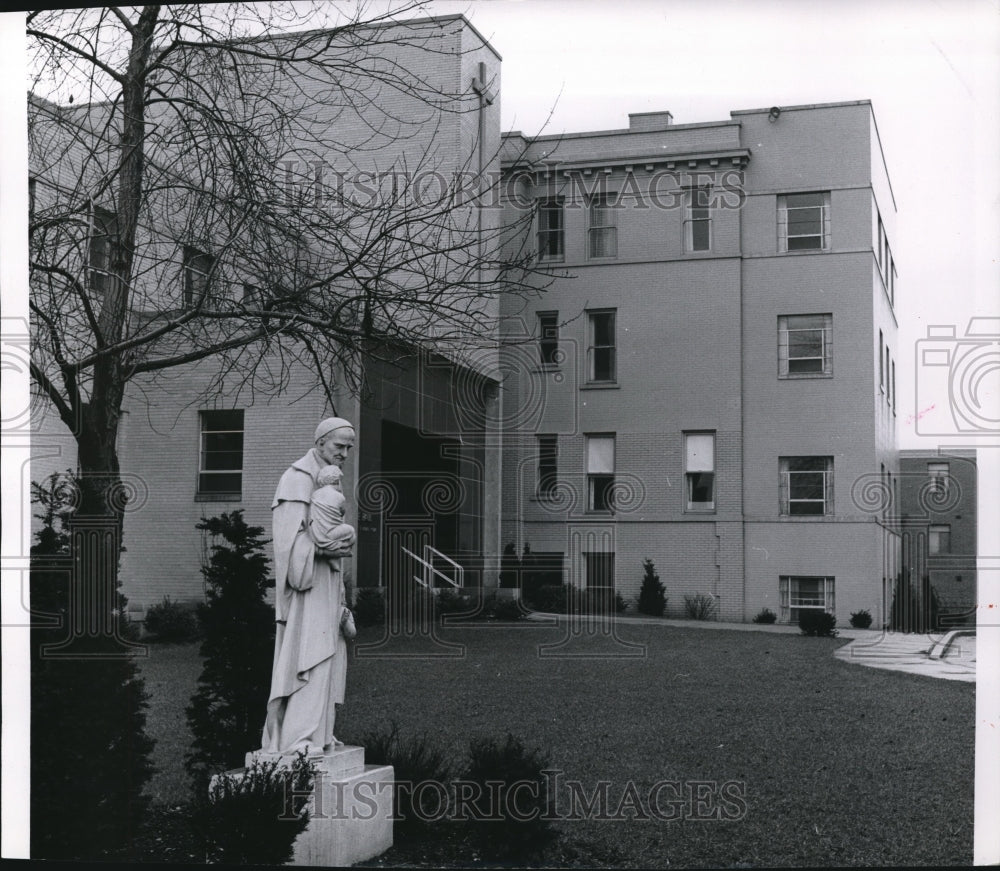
<point x="803" y="224"/>
<point x="805" y="348"/>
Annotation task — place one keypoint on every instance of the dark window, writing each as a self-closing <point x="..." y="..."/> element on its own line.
<point x="600" y="472"/>
<point x="548" y="458"/>
<point x="220" y="467"/>
<point x="699" y="463"/>
<point x="603" y="232"/>
<point x="601" y="346"/>
<point x="798" y="595"/>
<point x="548" y="338"/>
<point x="698" y="229"/>
<point x="806" y="485"/>
<point x="197" y="275"/>
<point x="805" y="345"/>
<point x="550" y="230"/>
<point x="103" y="250"/>
<point x="804" y="221"/>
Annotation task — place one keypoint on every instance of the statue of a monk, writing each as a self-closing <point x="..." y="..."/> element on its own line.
<point x="310" y="654"/>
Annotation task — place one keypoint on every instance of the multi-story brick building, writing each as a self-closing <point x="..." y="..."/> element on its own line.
<point x="937" y="523"/>
<point x="709" y="382"/>
<point x="711" y="385"/>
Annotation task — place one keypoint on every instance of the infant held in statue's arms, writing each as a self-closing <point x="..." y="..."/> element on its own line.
<point x="327" y="527"/>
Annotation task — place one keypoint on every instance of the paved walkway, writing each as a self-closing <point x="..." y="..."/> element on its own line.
<point x="946" y="655"/>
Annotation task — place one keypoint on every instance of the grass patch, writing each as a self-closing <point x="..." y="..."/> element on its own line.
<point x="842" y="765"/>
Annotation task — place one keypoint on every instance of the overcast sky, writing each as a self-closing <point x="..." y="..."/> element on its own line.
<point x="931" y="70"/>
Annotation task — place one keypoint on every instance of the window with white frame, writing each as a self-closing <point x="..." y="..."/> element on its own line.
<point x="197" y="273"/>
<point x="806" y="486"/>
<point x="805" y="345"/>
<point x="881" y="362"/>
<point x="551" y="230"/>
<point x="102" y="250"/>
<point x="699" y="470"/>
<point x="698" y="222"/>
<point x="798" y="594"/>
<point x="600" y="472"/>
<point x="940" y="475"/>
<point x="804" y="222"/>
<point x="548" y="459"/>
<point x="939" y="539"/>
<point x="602" y="231"/>
<point x="548" y="338"/>
<point x="600" y="567"/>
<point x="888" y="398"/>
<point x="220" y="465"/>
<point x="601" y="349"/>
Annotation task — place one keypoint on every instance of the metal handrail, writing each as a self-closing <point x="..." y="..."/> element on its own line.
<point x="429" y="569"/>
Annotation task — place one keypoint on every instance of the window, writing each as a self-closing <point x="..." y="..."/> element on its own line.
<point x="102" y="250"/>
<point x="881" y="362"/>
<point x="887" y="389"/>
<point x="698" y="224"/>
<point x="197" y="273"/>
<point x="548" y="456"/>
<point x="939" y="539"/>
<point x="603" y="232"/>
<point x="600" y="472"/>
<point x="806" y="485"/>
<point x="548" y="338"/>
<point x="881" y="238"/>
<point x="892" y="283"/>
<point x="939" y="474"/>
<point x="600" y="570"/>
<point x="32" y="190"/>
<point x="892" y="386"/>
<point x="220" y="468"/>
<point x="601" y="346"/>
<point x="550" y="230"/>
<point x="805" y="345"/>
<point x="804" y="222"/>
<point x="799" y="594"/>
<point x="699" y="463"/>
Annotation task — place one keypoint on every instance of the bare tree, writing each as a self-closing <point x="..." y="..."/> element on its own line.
<point x="262" y="186"/>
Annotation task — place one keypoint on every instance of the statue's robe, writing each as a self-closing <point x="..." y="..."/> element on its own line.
<point x="310" y="655"/>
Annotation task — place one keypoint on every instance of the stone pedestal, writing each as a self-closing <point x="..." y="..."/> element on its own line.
<point x="350" y="810"/>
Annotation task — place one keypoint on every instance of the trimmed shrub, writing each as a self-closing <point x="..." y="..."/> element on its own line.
<point x="652" y="596"/>
<point x="227" y="711"/>
<point x="369" y="606"/>
<point x="765" y="615"/>
<point x="254" y="818"/>
<point x="90" y="758"/>
<point x="451" y="601"/>
<point x="861" y="619"/>
<point x="414" y="761"/>
<point x="171" y="622"/>
<point x="818" y="624"/>
<point x="551" y="598"/>
<point x="699" y="607"/>
<point x="496" y="768"/>
<point x="506" y="610"/>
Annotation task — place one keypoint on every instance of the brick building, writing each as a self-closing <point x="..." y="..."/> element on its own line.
<point x="709" y="382"/>
<point x="711" y="385"/>
<point x="937" y="523"/>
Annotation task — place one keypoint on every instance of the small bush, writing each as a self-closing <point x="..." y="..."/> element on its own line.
<point x="414" y="761"/>
<point x="765" y="615"/>
<point x="500" y="835"/>
<point x="699" y="607"/>
<point x="652" y="596"/>
<point x="254" y="818"/>
<point x="861" y="619"/>
<point x="506" y="609"/>
<point x="452" y="601"/>
<point x="369" y="607"/>
<point x="551" y="598"/>
<point x="171" y="622"/>
<point x="818" y="624"/>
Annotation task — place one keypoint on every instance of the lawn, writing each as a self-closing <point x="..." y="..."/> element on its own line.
<point x="827" y="763"/>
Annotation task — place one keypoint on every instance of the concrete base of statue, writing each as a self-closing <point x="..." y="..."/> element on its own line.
<point x="350" y="809"/>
